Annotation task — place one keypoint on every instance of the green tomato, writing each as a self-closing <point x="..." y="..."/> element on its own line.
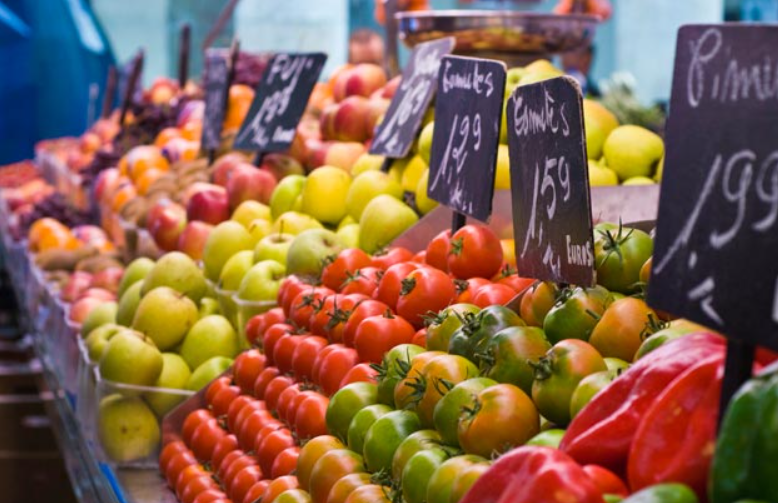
<point x="508" y="352"/>
<point x="346" y="403"/>
<point x="393" y="369"/>
<point x="616" y="364"/>
<point x="663" y="493"/>
<point x="471" y="337"/>
<point x="361" y="422"/>
<point x="437" y="378"/>
<point x="589" y="387"/>
<point x="293" y="496"/>
<point x="440" y="488"/>
<point x="449" y="408"/>
<point x="418" y="441"/>
<point x="446" y="323"/>
<point x="575" y="314"/>
<point x="385" y="435"/>
<point x="417" y="472"/>
<point x="466" y="479"/>
<point x="548" y="438"/>
<point x="618" y="256"/>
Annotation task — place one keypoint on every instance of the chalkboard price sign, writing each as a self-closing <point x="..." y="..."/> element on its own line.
<point x="552" y="215"/>
<point x="717" y="231"/>
<point x="216" y="82"/>
<point x="397" y="131"/>
<point x="280" y="100"/>
<point x="468" y="110"/>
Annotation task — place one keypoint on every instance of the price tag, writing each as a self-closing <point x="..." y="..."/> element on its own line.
<point x="279" y="103"/>
<point x="552" y="213"/>
<point x="468" y="110"/>
<point x="397" y="131"/>
<point x="717" y="231"/>
<point x="216" y="83"/>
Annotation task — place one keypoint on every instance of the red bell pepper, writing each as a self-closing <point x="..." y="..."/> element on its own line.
<point x="677" y="436"/>
<point x="602" y="432"/>
<point x="534" y="474"/>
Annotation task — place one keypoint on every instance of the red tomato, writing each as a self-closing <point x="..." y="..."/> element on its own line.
<point x="195" y="487"/>
<point x="607" y="481"/>
<point x="271" y="337"/>
<point x="335" y="366"/>
<point x="389" y="287"/>
<point x="251" y="426"/>
<point x="221" y="402"/>
<point x="187" y="475"/>
<point x="226" y="445"/>
<point x="176" y="465"/>
<point x="205" y="438"/>
<point x="392" y="256"/>
<point x="256" y="491"/>
<point x="424" y="290"/>
<point x="285" y="400"/>
<point x="305" y="355"/>
<point x="263" y="380"/>
<point x="192" y="421"/>
<point x="420" y="338"/>
<point x="244" y="481"/>
<point x="437" y="250"/>
<point x="362" y="372"/>
<point x="516" y="282"/>
<point x="245" y="412"/>
<point x="283" y="352"/>
<point x="289" y="289"/>
<point x="231" y="458"/>
<point x="364" y="281"/>
<point x="345" y="264"/>
<point x="216" y="386"/>
<point x="309" y="417"/>
<point x="322" y="311"/>
<point x="247" y="367"/>
<point x="211" y="496"/>
<point x="278" y="486"/>
<point x="234" y="469"/>
<point x="475" y="251"/>
<point x="494" y="294"/>
<point x="378" y="334"/>
<point x="467" y="288"/>
<point x="235" y="407"/>
<point x="319" y="359"/>
<point x="304" y="304"/>
<point x="169" y="452"/>
<point x="257" y="325"/>
<point x="286" y="462"/>
<point x="271" y="446"/>
<point x="364" y="310"/>
<point x="274" y="389"/>
<point x="291" y="411"/>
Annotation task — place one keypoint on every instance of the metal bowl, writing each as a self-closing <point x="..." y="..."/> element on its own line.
<point x="499" y="34"/>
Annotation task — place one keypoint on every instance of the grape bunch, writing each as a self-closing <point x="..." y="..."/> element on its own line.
<point x="104" y="158"/>
<point x="54" y="206"/>
<point x="150" y="119"/>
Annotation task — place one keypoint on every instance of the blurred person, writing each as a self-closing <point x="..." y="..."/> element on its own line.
<point x="578" y="64"/>
<point x="366" y="46"/>
<point x="402" y="5"/>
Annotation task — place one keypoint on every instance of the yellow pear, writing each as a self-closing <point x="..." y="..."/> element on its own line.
<point x="423" y="202"/>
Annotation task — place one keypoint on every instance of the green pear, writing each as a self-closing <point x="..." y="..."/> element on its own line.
<point x="425" y="141"/>
<point x="135" y="272"/>
<point x="165" y="316"/>
<point x="294" y="222"/>
<point x="99" y="315"/>
<point x="179" y="272"/>
<point x="208" y="306"/>
<point x="175" y="374"/>
<point x="98" y="339"/>
<point x="207" y="372"/>
<point x="250" y="210"/>
<point x="209" y="337"/>
<point x="310" y="249"/>
<point x="633" y="151"/>
<point x="349" y="235"/>
<point x="285" y="194"/>
<point x="367" y="186"/>
<point x="127" y="429"/>
<point x="128" y="304"/>
<point x="383" y="220"/>
<point x="225" y="240"/>
<point x="131" y="359"/>
<point x="235" y="268"/>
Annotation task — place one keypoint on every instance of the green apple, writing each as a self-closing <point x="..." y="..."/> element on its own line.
<point x="633" y="151"/>
<point x="135" y="272"/>
<point x="349" y="235"/>
<point x="225" y="240"/>
<point x="347" y="220"/>
<point x="513" y="77"/>
<point x="175" y="374"/>
<point x="383" y="220"/>
<point x="310" y="249"/>
<point x="234" y="270"/>
<point x="367" y="162"/>
<point x="368" y="185"/>
<point x="258" y="229"/>
<point x="99" y="315"/>
<point x="600" y="176"/>
<point x="423" y="202"/>
<point x="131" y="359"/>
<point x="659" y="169"/>
<point x="165" y="316"/>
<point x="250" y="210"/>
<point x="639" y="180"/>
<point x="599" y="122"/>
<point x="294" y="222"/>
<point x="324" y="194"/>
<point x="98" y="339"/>
<point x="273" y="247"/>
<point x="207" y="372"/>
<point x="127" y="428"/>
<point x="262" y="281"/>
<point x="208" y="306"/>
<point x="285" y="194"/>
<point x="179" y="272"/>
<point x="128" y="304"/>
<point x="502" y="175"/>
<point x="209" y="337"/>
<point x="397" y="168"/>
<point x="425" y="141"/>
<point x="413" y="172"/>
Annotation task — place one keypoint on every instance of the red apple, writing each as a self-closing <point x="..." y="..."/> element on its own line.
<point x="224" y="165"/>
<point x="97" y="293"/>
<point x="108" y="279"/>
<point x="376" y="110"/>
<point x="281" y="165"/>
<point x="81" y="308"/>
<point x="343" y="154"/>
<point x="78" y="282"/>
<point x="107" y="129"/>
<point x="250" y="183"/>
<point x="327" y="121"/>
<point x="90" y="234"/>
<point x="192" y="240"/>
<point x="210" y="206"/>
<point x="106" y="181"/>
<point x="165" y="222"/>
<point x="316" y="152"/>
<point x="349" y="123"/>
<point x="362" y="80"/>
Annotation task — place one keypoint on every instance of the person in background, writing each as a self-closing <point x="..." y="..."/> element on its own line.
<point x="402" y="5"/>
<point x="366" y="46"/>
<point x="578" y="65"/>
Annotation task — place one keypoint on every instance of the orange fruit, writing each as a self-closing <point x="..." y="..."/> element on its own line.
<point x="122" y="196"/>
<point x="192" y="130"/>
<point x="58" y="239"/>
<point x="146" y="179"/>
<point x="144" y="157"/>
<point x="238" y="106"/>
<point x="166" y="135"/>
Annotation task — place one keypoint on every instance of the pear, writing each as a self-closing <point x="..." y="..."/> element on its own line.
<point x="128" y="304"/>
<point x="367" y="162"/>
<point x="127" y="428"/>
<point x="165" y="316"/>
<point x="209" y="337"/>
<point x="135" y="272"/>
<point x="99" y="315"/>
<point x="234" y="270"/>
<point x="633" y="151"/>
<point x="310" y="249"/>
<point x="639" y="180"/>
<point x="599" y="122"/>
<point x="207" y="372"/>
<point x="225" y="240"/>
<point x="541" y="66"/>
<point x="502" y="175"/>
<point x="179" y="272"/>
<point x="98" y="339"/>
<point x="383" y="220"/>
<point x="368" y="185"/>
<point x="131" y="358"/>
<point x="175" y="374"/>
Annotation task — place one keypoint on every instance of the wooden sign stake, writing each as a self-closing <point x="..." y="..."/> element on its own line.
<point x="184" y="46"/>
<point x="137" y="66"/>
<point x="737" y="370"/>
<point x="110" y="92"/>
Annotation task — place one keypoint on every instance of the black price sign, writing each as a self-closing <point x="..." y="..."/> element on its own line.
<point x="216" y="92"/>
<point x="468" y="110"/>
<point x="397" y="131"/>
<point x="717" y="230"/>
<point x="281" y="98"/>
<point x="552" y="214"/>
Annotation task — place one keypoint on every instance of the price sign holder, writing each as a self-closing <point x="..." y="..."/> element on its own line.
<point x="131" y="83"/>
<point x="468" y="113"/>
<point x="220" y="73"/>
<point x="397" y="132"/>
<point x="717" y="229"/>
<point x="184" y="47"/>
<point x="279" y="103"/>
<point x="109" y="94"/>
<point x="552" y="210"/>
